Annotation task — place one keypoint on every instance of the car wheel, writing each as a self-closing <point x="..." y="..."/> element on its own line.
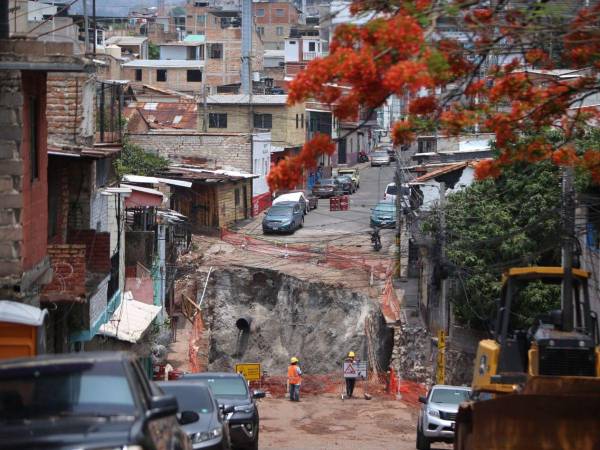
<point x="254" y="445"/>
<point x="422" y="441"/>
<point x="301" y="223"/>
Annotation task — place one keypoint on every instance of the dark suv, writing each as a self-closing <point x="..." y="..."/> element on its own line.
<point x="85" y="401"/>
<point x="231" y="389"/>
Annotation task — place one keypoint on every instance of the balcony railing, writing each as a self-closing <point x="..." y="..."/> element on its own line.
<point x="309" y="56"/>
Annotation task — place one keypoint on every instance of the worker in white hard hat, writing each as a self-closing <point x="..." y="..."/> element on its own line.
<point x="351" y="358"/>
<point x="294" y="379"/>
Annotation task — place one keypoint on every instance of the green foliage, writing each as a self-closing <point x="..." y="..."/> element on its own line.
<point x="134" y="160"/>
<point x="496" y="224"/>
<point x="153" y="51"/>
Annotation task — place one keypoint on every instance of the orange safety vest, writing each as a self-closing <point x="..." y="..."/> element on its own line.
<point x="293" y="377"/>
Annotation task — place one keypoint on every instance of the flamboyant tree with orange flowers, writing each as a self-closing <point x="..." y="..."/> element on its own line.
<point x="480" y="77"/>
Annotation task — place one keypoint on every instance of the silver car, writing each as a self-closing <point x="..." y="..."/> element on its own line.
<point x="380" y="158"/>
<point x="437" y="417"/>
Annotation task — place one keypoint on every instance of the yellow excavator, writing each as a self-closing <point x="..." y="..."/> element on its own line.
<point x="536" y="386"/>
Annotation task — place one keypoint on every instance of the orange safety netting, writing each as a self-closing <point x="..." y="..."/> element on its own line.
<point x="197" y="343"/>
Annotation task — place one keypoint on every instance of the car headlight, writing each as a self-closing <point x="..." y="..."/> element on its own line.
<point x="207" y="435"/>
<point x="244" y="408"/>
<point x="434" y="412"/>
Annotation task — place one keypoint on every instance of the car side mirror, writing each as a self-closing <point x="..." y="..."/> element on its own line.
<point x="258" y="394"/>
<point x="227" y="409"/>
<point x="423" y="399"/>
<point x="188" y="417"/>
<point x="162" y="406"/>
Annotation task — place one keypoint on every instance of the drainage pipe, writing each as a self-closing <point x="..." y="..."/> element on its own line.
<point x="243" y="324"/>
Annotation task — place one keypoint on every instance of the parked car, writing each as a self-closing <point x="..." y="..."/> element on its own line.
<point x="353" y="172"/>
<point x="211" y="430"/>
<point x="285" y="216"/>
<point x="383" y="215"/>
<point x="86" y="401"/>
<point x="346" y="184"/>
<point x="380" y="158"/>
<point x="313" y="200"/>
<point x="327" y="187"/>
<point x="294" y="197"/>
<point x="231" y="389"/>
<point x="437" y="417"/>
<point x="390" y="151"/>
<point x="390" y="193"/>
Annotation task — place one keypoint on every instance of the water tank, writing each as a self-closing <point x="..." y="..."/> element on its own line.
<point x="114" y="51"/>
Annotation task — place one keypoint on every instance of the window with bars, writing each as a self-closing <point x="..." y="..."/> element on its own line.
<point x="161" y="75"/>
<point x="279" y="31"/>
<point x="263" y="121"/>
<point x="216" y="51"/>
<point x="217" y="120"/>
<point x="194" y="75"/>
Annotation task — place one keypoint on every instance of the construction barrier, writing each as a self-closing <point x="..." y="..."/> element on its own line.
<point x="344" y="202"/>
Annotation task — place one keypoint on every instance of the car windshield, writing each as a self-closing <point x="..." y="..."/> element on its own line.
<point x="391" y="190"/>
<point x="77" y="389"/>
<point x="346" y="172"/>
<point x="190" y="398"/>
<point x="380" y="154"/>
<point x="452" y="396"/>
<point x="344" y="178"/>
<point x="223" y="387"/>
<point x="326" y="181"/>
<point x="385" y="208"/>
<point x="280" y="211"/>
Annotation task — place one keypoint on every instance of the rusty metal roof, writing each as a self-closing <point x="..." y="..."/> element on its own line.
<point x="159" y="115"/>
<point x="204" y="175"/>
<point x="438" y="171"/>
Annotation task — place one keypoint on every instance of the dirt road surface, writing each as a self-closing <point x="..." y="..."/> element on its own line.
<point x="323" y="422"/>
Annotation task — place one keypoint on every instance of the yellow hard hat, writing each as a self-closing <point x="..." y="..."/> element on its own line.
<point x="351" y="355"/>
<point x="294" y="359"/>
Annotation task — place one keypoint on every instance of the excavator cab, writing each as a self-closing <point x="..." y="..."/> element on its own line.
<point x="542" y="369"/>
<point x="557" y="342"/>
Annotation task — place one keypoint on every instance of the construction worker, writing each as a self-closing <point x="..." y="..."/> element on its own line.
<point x="351" y="358"/>
<point x="294" y="379"/>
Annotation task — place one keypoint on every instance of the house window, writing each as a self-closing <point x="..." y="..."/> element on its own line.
<point x="194" y="75"/>
<point x="138" y="74"/>
<point x="279" y="12"/>
<point x="279" y="31"/>
<point x="302" y="119"/>
<point x="263" y="121"/>
<point x="34" y="126"/>
<point x="216" y="51"/>
<point x="237" y="197"/>
<point x="260" y="31"/>
<point x="217" y="120"/>
<point x="260" y="12"/>
<point x="161" y="75"/>
<point x="297" y="117"/>
<point x="312" y="46"/>
<point x="201" y="19"/>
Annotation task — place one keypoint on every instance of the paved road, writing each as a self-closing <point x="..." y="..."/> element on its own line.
<point x="340" y="226"/>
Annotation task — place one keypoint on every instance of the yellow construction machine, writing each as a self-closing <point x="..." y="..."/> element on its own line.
<point x="536" y="387"/>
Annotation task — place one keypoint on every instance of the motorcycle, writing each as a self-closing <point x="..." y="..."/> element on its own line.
<point x="376" y="239"/>
<point x="362" y="157"/>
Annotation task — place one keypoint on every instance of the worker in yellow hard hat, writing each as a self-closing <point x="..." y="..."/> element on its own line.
<point x="349" y="375"/>
<point x="294" y="379"/>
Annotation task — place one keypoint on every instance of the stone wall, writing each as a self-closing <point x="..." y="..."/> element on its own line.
<point x="214" y="150"/>
<point x="412" y="354"/>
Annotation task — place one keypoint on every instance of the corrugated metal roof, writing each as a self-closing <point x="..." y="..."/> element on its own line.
<point x="240" y="99"/>
<point x="440" y="171"/>
<point x="155" y="180"/>
<point x="126" y="40"/>
<point x="130" y="320"/>
<point x="164" y="64"/>
<point x="157" y="115"/>
<point x="198" y="173"/>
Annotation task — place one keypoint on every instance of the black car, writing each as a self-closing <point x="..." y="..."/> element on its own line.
<point x="327" y="187"/>
<point x="85" y="401"/>
<point x="211" y="430"/>
<point x="231" y="389"/>
<point x="346" y="184"/>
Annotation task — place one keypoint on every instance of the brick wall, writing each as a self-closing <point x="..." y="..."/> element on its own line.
<point x="216" y="150"/>
<point x="68" y="265"/>
<point x="11" y="170"/>
<point x="97" y="248"/>
<point x="70" y="108"/>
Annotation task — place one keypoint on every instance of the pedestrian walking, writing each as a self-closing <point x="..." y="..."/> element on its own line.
<point x="350" y="382"/>
<point x="294" y="379"/>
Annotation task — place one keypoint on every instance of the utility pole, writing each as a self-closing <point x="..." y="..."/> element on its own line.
<point x="86" y="25"/>
<point x="246" y="46"/>
<point x="398" y="178"/>
<point x="444" y="301"/>
<point x="95" y="29"/>
<point x="568" y="217"/>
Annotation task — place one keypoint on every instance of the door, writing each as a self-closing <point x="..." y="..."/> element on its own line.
<point x="245" y="192"/>
<point x="342" y="151"/>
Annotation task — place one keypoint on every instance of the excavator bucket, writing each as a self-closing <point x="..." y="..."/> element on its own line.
<point x="550" y="413"/>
